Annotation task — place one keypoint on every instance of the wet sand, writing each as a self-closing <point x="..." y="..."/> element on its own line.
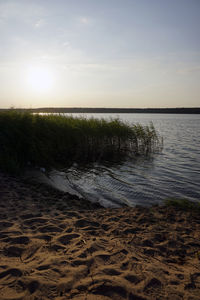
<point x="57" y="246"/>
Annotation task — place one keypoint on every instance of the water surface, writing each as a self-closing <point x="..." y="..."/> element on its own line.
<point x="175" y="172"/>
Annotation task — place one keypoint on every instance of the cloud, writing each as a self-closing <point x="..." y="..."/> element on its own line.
<point x="40" y="23"/>
<point x="23" y="10"/>
<point x="66" y="44"/>
<point x="84" y="20"/>
<point x="189" y="70"/>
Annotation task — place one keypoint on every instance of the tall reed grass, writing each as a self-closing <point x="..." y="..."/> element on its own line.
<point x="57" y="140"/>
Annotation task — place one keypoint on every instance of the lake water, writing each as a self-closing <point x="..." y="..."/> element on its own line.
<point x="175" y="172"/>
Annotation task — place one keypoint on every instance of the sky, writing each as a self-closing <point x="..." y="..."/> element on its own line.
<point x="99" y="53"/>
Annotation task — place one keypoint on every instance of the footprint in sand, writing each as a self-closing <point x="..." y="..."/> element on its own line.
<point x="111" y="272"/>
<point x="44" y="237"/>
<point x="11" y="272"/>
<point x="85" y="223"/>
<point x="66" y="239"/>
<point x="109" y="290"/>
<point x="13" y="251"/>
<point x="132" y="278"/>
<point x="50" y="228"/>
<point x="34" y="221"/>
<point x="152" y="284"/>
<point x="33" y="286"/>
<point x="5" y="224"/>
<point x="27" y="216"/>
<point x="24" y="240"/>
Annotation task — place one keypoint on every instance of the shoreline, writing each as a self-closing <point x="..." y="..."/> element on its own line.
<point x="57" y="246"/>
<point x="105" y="110"/>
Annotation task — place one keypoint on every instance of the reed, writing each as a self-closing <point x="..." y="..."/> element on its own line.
<point x="57" y="140"/>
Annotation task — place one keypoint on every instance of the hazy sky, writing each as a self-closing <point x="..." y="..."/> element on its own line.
<point x="99" y="53"/>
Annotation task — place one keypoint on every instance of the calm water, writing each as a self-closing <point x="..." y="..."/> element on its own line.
<point x="173" y="173"/>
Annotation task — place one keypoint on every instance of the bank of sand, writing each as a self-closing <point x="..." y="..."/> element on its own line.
<point x="55" y="246"/>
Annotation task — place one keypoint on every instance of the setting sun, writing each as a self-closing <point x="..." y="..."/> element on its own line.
<point x="39" y="79"/>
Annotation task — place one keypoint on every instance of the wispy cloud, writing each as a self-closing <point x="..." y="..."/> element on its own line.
<point x="84" y="20"/>
<point x="40" y="23"/>
<point x="188" y="70"/>
<point x="22" y="10"/>
<point x="66" y="44"/>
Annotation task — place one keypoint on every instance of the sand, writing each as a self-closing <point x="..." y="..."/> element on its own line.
<point x="56" y="246"/>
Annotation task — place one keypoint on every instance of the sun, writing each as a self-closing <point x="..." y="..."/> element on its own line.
<point x="39" y="78"/>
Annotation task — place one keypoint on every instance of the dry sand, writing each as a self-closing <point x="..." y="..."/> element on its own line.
<point x="55" y="246"/>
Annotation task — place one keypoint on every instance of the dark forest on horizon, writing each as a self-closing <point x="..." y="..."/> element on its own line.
<point x="178" y="110"/>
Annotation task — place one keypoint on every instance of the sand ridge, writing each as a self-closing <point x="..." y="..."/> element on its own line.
<point x="55" y="246"/>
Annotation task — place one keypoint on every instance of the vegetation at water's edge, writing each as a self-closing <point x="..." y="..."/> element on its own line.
<point x="183" y="204"/>
<point x="55" y="140"/>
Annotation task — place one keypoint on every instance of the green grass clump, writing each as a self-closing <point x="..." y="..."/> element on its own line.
<point x="57" y="140"/>
<point x="183" y="204"/>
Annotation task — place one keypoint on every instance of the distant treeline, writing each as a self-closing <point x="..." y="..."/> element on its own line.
<point x="178" y="110"/>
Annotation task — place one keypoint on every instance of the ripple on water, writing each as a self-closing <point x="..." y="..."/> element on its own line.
<point x="173" y="173"/>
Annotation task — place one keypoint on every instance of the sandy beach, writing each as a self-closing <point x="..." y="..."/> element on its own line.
<point x="57" y="246"/>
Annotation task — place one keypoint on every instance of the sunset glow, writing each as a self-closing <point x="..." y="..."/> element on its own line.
<point x="87" y="53"/>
